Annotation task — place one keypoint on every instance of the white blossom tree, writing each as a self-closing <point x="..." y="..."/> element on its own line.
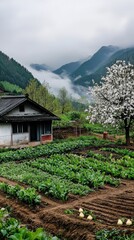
<point x="114" y="98"/>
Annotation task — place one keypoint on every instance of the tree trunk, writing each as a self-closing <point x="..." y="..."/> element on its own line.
<point x="127" y="135"/>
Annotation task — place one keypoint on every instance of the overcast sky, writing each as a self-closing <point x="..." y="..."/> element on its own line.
<point x="55" y="32"/>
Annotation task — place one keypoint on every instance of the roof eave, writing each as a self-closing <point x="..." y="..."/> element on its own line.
<point x="27" y="119"/>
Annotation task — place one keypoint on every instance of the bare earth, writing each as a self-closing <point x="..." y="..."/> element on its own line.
<point x="108" y="204"/>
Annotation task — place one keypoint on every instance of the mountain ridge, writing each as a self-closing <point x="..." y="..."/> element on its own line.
<point x="126" y="54"/>
<point x="68" y="68"/>
<point x="97" y="60"/>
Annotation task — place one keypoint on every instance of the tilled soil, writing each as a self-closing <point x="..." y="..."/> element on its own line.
<point x="108" y="204"/>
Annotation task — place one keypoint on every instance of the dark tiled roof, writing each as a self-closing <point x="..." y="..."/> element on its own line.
<point x="8" y="103"/>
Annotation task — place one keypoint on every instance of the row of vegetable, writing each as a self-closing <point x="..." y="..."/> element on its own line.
<point x="124" y="151"/>
<point x="74" y="168"/>
<point x="122" y="166"/>
<point x="114" y="169"/>
<point x="86" y="170"/>
<point x="27" y="195"/>
<point x="50" y="149"/>
<point x="124" y="160"/>
<point x="51" y="185"/>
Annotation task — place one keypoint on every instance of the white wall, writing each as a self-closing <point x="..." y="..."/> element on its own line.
<point x="5" y="134"/>
<point x="20" y="138"/>
<point x="7" y="140"/>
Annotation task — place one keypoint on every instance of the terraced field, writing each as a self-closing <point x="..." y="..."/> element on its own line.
<point x="67" y="182"/>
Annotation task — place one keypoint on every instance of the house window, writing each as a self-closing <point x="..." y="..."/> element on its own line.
<point x="25" y="127"/>
<point x="20" y="127"/>
<point x="42" y="128"/>
<point x="46" y="128"/>
<point x="14" y="128"/>
<point x="21" y="108"/>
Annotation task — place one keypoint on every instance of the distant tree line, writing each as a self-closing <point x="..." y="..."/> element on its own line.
<point x="57" y="104"/>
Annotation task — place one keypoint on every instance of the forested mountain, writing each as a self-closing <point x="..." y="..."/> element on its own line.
<point x="68" y="68"/>
<point x="123" y="54"/>
<point x="11" y="71"/>
<point x="80" y="69"/>
<point x="95" y="62"/>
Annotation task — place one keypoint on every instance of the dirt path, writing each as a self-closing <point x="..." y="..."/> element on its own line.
<point x="107" y="204"/>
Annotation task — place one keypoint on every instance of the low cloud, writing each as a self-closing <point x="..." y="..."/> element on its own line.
<point x="55" y="82"/>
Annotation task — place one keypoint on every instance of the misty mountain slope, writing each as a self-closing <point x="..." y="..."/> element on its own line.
<point x="126" y="54"/>
<point x="12" y="72"/>
<point x="95" y="62"/>
<point x="123" y="54"/>
<point x="68" y="68"/>
<point x="40" y="67"/>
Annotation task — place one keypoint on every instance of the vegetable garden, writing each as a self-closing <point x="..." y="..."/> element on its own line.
<point x="45" y="186"/>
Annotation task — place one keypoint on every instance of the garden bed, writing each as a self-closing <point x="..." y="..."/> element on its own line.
<point x="82" y="177"/>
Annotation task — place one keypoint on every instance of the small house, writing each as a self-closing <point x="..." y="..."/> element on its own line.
<point x="23" y="120"/>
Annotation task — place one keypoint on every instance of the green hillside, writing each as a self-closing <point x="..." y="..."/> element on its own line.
<point x="13" y="72"/>
<point x="9" y="87"/>
<point x="123" y="54"/>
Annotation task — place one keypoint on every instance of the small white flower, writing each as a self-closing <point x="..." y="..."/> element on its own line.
<point x="128" y="222"/>
<point x="119" y="222"/>
<point x="80" y="210"/>
<point x="90" y="217"/>
<point x="81" y="215"/>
